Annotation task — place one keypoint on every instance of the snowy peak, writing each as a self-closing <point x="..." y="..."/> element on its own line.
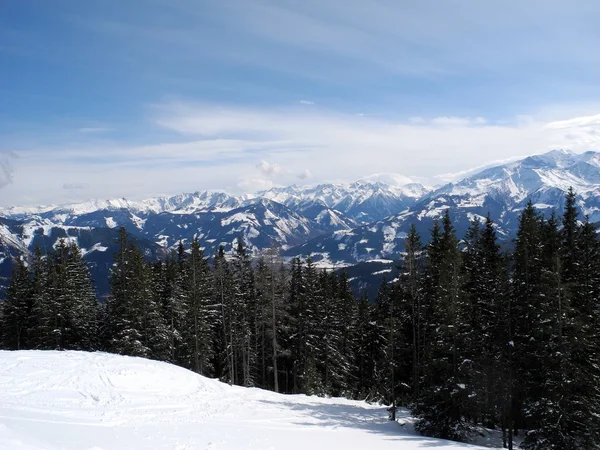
<point x="361" y="201"/>
<point x="181" y="203"/>
<point x="500" y="191"/>
<point x="343" y="222"/>
<point x="516" y="181"/>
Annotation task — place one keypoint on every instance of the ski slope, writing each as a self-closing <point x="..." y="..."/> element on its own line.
<point x="95" y="401"/>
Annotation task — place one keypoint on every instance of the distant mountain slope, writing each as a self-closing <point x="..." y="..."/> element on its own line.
<point x="501" y="191"/>
<point x="338" y="223"/>
<point x="98" y="246"/>
<point x="362" y="201"/>
<point x="283" y="217"/>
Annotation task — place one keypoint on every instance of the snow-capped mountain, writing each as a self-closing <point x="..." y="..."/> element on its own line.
<point x="363" y="201"/>
<point x="501" y="191"/>
<point x="98" y="246"/>
<point x="283" y="217"/>
<point x="339" y="224"/>
<point x="176" y="204"/>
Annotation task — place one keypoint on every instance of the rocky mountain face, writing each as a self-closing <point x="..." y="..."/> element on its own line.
<point x="501" y="191"/>
<point x="339" y="224"/>
<point x="282" y="217"/>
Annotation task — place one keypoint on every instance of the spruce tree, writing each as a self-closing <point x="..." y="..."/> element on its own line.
<point x="200" y="313"/>
<point x="81" y="306"/>
<point x="444" y="394"/>
<point x="16" y="323"/>
<point x="410" y="281"/>
<point x="224" y="301"/>
<point x="485" y="332"/>
<point x="244" y="315"/>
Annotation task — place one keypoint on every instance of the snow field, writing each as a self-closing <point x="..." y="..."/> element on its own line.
<point x="96" y="401"/>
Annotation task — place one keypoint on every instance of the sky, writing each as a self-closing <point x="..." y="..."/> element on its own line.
<point x="137" y="98"/>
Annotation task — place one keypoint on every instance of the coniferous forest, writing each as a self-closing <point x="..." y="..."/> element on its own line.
<point x="469" y="336"/>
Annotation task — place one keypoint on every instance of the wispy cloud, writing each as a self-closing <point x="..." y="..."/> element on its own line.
<point x="6" y="167"/>
<point x="238" y="148"/>
<point x="74" y="186"/>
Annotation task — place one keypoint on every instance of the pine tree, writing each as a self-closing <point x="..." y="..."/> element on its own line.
<point x="16" y="323"/>
<point x="135" y="325"/>
<point x="485" y="332"/>
<point x="565" y="408"/>
<point x="368" y="351"/>
<point x="411" y="285"/>
<point x="40" y="318"/>
<point x="201" y="314"/>
<point x="583" y="398"/>
<point x="525" y="301"/>
<point x="545" y="405"/>
<point x="271" y="283"/>
<point x="305" y="298"/>
<point x="444" y="394"/>
<point x="347" y="324"/>
<point x="80" y="304"/>
<point x="244" y="315"/>
<point x="224" y="301"/>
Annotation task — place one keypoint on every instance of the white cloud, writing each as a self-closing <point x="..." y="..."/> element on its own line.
<point x="253" y="184"/>
<point x="305" y="174"/>
<point x="453" y="121"/>
<point x="6" y="168"/>
<point x="243" y="149"/>
<point x="307" y="102"/>
<point x="74" y="186"/>
<point x="269" y="169"/>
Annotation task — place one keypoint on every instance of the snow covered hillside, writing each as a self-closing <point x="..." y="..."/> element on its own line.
<point x="501" y="191"/>
<point x="96" y="401"/>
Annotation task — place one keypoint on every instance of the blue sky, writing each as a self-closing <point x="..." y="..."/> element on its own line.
<point x="144" y="97"/>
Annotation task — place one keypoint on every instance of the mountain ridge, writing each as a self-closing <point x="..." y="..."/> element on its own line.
<point x="340" y="224"/>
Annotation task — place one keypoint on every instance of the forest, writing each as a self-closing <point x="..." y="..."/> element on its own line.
<point x="468" y="336"/>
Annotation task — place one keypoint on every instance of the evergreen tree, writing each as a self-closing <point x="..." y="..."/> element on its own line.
<point x="412" y="290"/>
<point x="135" y="324"/>
<point x="485" y="332"/>
<point x="201" y="315"/>
<point x="244" y="316"/>
<point x="16" y="323"/>
<point x="80" y="304"/>
<point x="224" y="300"/>
<point x="444" y="395"/>
<point x="40" y="315"/>
<point x="368" y="351"/>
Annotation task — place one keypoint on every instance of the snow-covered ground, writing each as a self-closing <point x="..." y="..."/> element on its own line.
<point x="96" y="401"/>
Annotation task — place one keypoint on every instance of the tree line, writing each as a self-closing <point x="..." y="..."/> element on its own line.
<point x="468" y="336"/>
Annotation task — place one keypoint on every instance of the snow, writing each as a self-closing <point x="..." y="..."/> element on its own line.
<point x="97" y="247"/>
<point x="96" y="401"/>
<point x="110" y="222"/>
<point x="381" y="272"/>
<point x="239" y="217"/>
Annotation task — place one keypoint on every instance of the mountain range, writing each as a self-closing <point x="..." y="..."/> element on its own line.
<point x="339" y="224"/>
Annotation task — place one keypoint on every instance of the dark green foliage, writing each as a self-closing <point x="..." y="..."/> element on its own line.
<point x="466" y="336"/>
<point x="52" y="303"/>
<point x="444" y="395"/>
<point x="16" y="314"/>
